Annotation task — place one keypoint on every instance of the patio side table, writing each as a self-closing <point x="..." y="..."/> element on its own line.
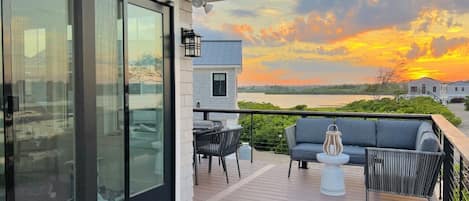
<point x="332" y="178"/>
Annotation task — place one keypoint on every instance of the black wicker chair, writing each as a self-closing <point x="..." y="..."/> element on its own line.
<point x="221" y="144"/>
<point x="403" y="172"/>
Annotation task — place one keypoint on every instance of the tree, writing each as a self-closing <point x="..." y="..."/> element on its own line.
<point x="385" y="77"/>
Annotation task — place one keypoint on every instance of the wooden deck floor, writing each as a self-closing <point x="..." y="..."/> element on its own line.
<point x="268" y="181"/>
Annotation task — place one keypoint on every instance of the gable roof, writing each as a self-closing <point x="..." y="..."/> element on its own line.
<point x="425" y="78"/>
<point x="220" y="52"/>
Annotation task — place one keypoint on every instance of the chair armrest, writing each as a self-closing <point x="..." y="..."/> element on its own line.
<point x="401" y="151"/>
<point x="290" y="134"/>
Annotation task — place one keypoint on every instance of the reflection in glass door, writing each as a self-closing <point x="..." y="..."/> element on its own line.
<point x="146" y="98"/>
<point x="2" y="130"/>
<point x="42" y="95"/>
<point x="110" y="100"/>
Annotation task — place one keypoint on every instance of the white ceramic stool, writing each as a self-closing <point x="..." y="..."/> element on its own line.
<point x="332" y="178"/>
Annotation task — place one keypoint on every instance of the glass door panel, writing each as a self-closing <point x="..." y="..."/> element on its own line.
<point x="110" y="100"/>
<point x="2" y="130"/>
<point x="43" y="125"/>
<point x="146" y="95"/>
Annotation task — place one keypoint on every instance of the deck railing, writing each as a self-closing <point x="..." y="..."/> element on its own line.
<point x="453" y="182"/>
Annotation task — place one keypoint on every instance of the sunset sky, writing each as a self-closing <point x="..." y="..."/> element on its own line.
<point x="308" y="42"/>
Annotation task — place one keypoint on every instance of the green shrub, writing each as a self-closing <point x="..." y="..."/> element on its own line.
<point x="268" y="130"/>
<point x="418" y="105"/>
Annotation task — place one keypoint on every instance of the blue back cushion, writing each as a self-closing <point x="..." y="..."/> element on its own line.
<point x="310" y="130"/>
<point x="399" y="134"/>
<point x="428" y="142"/>
<point x="357" y="132"/>
<point x="425" y="127"/>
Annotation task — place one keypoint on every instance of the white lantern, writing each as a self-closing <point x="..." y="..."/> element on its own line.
<point x="333" y="142"/>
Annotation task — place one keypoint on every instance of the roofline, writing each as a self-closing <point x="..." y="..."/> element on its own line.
<point x="222" y="41"/>
<point x="214" y="65"/>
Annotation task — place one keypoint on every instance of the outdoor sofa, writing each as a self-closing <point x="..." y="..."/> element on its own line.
<point x="400" y="156"/>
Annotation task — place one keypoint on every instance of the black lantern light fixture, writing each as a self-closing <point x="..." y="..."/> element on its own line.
<point x="192" y="43"/>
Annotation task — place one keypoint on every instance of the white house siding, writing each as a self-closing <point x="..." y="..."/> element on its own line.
<point x="429" y="85"/>
<point x="183" y="94"/>
<point x="463" y="90"/>
<point x="203" y="92"/>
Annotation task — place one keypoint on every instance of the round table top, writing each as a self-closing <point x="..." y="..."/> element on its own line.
<point x="333" y="160"/>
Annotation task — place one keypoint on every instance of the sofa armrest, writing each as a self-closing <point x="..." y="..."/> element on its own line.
<point x="407" y="172"/>
<point x="290" y="134"/>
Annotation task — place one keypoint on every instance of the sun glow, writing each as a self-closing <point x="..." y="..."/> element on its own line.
<point x="323" y="45"/>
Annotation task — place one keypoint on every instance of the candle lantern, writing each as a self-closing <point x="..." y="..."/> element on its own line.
<point x="333" y="142"/>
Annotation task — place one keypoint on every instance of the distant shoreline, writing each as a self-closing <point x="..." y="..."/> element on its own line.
<point x="358" y="89"/>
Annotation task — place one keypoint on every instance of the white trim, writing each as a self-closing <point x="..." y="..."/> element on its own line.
<point x="226" y="84"/>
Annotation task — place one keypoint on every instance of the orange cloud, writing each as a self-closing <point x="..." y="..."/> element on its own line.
<point x="243" y="31"/>
<point x="430" y="42"/>
<point x="255" y="73"/>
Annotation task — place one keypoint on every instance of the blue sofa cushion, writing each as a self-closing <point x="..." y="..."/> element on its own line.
<point x="312" y="130"/>
<point x="306" y="151"/>
<point x="398" y="134"/>
<point x="425" y="127"/>
<point x="357" y="132"/>
<point x="356" y="153"/>
<point x="428" y="142"/>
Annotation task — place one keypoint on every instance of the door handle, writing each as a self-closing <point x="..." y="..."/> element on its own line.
<point x="13" y="103"/>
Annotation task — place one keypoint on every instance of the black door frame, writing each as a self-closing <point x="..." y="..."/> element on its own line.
<point x="83" y="20"/>
<point x="167" y="190"/>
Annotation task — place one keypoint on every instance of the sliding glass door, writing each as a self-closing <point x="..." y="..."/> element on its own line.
<point x="40" y="101"/>
<point x="134" y="101"/>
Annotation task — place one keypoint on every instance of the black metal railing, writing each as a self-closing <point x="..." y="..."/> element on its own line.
<point x="453" y="182"/>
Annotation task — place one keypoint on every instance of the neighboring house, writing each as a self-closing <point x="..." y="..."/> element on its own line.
<point x="457" y="90"/>
<point x="442" y="92"/>
<point x="215" y="78"/>
<point x="425" y="86"/>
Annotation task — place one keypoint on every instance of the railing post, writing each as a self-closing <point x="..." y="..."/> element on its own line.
<point x="304" y="164"/>
<point x="206" y="115"/>
<point x="461" y="176"/>
<point x="250" y="136"/>
<point x="440" y="175"/>
<point x="447" y="170"/>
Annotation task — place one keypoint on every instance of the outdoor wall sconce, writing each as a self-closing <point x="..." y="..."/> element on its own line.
<point x="192" y="43"/>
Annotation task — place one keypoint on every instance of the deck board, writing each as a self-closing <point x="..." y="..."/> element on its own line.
<point x="272" y="183"/>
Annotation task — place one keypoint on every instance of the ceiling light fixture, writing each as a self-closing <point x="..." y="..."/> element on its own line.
<point x="202" y="3"/>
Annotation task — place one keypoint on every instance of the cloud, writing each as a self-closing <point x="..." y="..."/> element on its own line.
<point x="332" y="20"/>
<point x="441" y="45"/>
<point x="415" y="52"/>
<point x="228" y="32"/>
<point x="332" y="52"/>
<point x="243" y="31"/>
<point x="336" y="72"/>
<point x="212" y="34"/>
<point x="257" y="73"/>
<point x="243" y="13"/>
